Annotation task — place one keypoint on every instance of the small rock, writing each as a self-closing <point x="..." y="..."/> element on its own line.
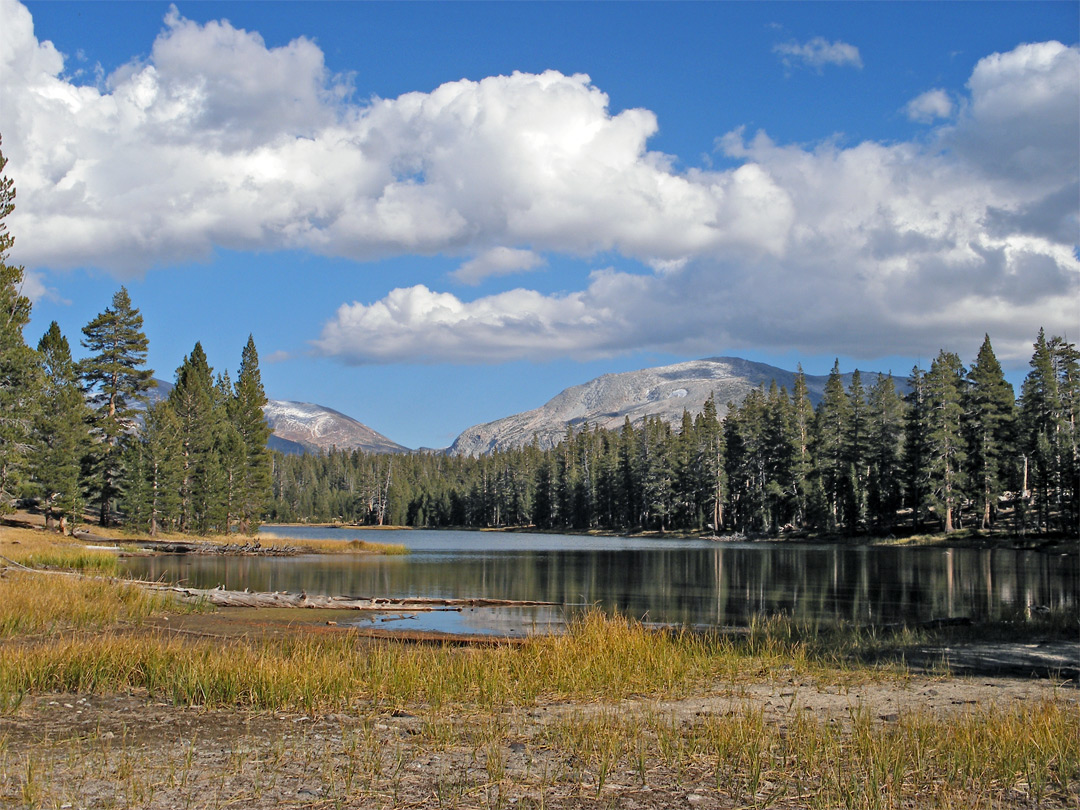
<point x="890" y="718"/>
<point x="695" y="799"/>
<point x="308" y="792"/>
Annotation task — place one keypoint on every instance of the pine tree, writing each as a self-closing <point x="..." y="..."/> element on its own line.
<point x="745" y="431"/>
<point x="1048" y="417"/>
<point x="193" y="401"/>
<point x="803" y="429"/>
<point x="781" y="454"/>
<point x="154" y="471"/>
<point x="62" y="432"/>
<point x="1068" y="368"/>
<point x="916" y="451"/>
<point x="989" y="406"/>
<point x="709" y="454"/>
<point x="946" y="451"/>
<point x="246" y="415"/>
<point x="657" y="474"/>
<point x="629" y="475"/>
<point x="831" y="427"/>
<point x="885" y="430"/>
<point x="116" y="381"/>
<point x="857" y="452"/>
<point x="18" y="367"/>
<point x="231" y="456"/>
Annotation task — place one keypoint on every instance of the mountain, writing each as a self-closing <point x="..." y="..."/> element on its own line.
<point x="302" y="426"/>
<point x="607" y="400"/>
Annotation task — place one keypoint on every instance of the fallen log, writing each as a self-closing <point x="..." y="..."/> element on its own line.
<point x="220" y="597"/>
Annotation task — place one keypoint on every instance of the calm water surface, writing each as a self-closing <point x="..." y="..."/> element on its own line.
<point x="689" y="582"/>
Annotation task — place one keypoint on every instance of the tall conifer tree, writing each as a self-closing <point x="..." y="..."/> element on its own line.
<point x="246" y="416"/>
<point x="193" y="401"/>
<point x="62" y="431"/>
<point x="858" y="435"/>
<point x="116" y="381"/>
<point x="832" y="424"/>
<point x="946" y="452"/>
<point x="916" y="451"/>
<point x="18" y="367"/>
<point x="710" y="465"/>
<point x="154" y="471"/>
<point x="989" y="405"/>
<point x="884" y="488"/>
<point x="1048" y="416"/>
<point x="803" y="430"/>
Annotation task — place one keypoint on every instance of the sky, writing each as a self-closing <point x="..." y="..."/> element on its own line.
<point x="435" y="215"/>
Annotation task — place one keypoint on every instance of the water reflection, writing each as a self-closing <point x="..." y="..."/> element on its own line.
<point x="692" y="582"/>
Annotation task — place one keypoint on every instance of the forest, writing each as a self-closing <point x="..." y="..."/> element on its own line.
<point x="957" y="450"/>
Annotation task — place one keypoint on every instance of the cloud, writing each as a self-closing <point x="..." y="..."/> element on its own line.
<point x="34" y="288"/>
<point x="278" y="356"/>
<point x="930" y="105"/>
<point x="1022" y="123"/>
<point x="415" y="324"/>
<point x="216" y="140"/>
<point x="818" y="52"/>
<point x="866" y="248"/>
<point x="499" y="261"/>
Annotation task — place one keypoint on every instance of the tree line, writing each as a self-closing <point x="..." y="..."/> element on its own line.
<point x="79" y="435"/>
<point x="954" y="449"/>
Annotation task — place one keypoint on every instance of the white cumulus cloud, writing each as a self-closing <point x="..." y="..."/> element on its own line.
<point x="216" y="140"/>
<point x="499" y="261"/>
<point x="817" y="52"/>
<point x="868" y="247"/>
<point x="415" y="324"/>
<point x="930" y="105"/>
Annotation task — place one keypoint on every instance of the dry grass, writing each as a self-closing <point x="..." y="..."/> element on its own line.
<point x="51" y="602"/>
<point x="31" y="604"/>
<point x="35" y="548"/>
<point x="313" y="546"/>
<point x="1022" y="756"/>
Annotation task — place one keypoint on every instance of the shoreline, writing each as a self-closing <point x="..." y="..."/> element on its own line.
<point x="963" y="538"/>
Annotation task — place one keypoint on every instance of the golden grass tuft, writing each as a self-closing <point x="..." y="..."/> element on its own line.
<point x="33" y="603"/>
<point x="35" y="548"/>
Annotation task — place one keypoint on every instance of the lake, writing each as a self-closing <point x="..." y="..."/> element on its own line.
<point x="683" y="582"/>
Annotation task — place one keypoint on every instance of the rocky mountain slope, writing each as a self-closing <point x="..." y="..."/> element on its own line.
<point x="607" y="400"/>
<point x="304" y="426"/>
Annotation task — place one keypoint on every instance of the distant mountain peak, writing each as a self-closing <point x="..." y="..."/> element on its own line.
<point x="308" y="426"/>
<point x="302" y="427"/>
<point x="608" y="400"/>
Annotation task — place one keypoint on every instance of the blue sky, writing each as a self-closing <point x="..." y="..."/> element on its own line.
<point x="434" y="215"/>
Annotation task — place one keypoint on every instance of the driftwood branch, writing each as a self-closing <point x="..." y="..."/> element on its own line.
<point x="223" y="598"/>
<point x="220" y="597"/>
